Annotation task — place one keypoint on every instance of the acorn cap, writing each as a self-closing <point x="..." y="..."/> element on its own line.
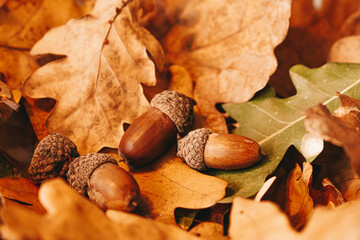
<point x="178" y="107"/>
<point x="52" y="157"/>
<point x="191" y="148"/>
<point x="81" y="168"/>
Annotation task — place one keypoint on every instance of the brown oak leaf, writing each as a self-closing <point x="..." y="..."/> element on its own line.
<point x="169" y="183"/>
<point x="341" y="129"/>
<point x="21" y="190"/>
<point x="227" y="46"/>
<point x="70" y="216"/>
<point x="265" y="220"/>
<point x="98" y="85"/>
<point x="299" y="204"/>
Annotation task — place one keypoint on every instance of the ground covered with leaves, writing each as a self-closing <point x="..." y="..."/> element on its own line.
<point x="283" y="73"/>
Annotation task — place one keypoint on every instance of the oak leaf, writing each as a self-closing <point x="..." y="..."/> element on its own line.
<point x="210" y="231"/>
<point x="98" y="85"/>
<point x="22" y="23"/>
<point x="70" y="216"/>
<point x="345" y="50"/>
<point x="299" y="204"/>
<point x="265" y="220"/>
<point x="227" y="46"/>
<point x="169" y="183"/>
<point x="21" y="190"/>
<point x="277" y="123"/>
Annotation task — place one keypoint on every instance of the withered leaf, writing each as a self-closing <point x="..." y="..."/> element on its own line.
<point x="336" y="166"/>
<point x="169" y="183"/>
<point x="345" y="50"/>
<point x="22" y="190"/>
<point x="227" y="46"/>
<point x="98" y="85"/>
<point x="210" y="231"/>
<point x="71" y="216"/>
<point x="299" y="204"/>
<point x="341" y="129"/>
<point x="265" y="220"/>
<point x="22" y="23"/>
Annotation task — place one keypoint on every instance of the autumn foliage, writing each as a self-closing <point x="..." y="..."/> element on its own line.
<point x="283" y="73"/>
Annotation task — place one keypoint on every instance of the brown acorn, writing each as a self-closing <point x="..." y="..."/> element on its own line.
<point x="203" y="149"/>
<point x="155" y="131"/>
<point x="98" y="177"/>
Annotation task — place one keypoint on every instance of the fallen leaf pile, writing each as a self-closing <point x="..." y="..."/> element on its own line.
<point x="283" y="73"/>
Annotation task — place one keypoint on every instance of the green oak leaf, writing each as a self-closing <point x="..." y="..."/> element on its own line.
<point x="277" y="123"/>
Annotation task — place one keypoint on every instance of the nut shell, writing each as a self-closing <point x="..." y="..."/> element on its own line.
<point x="191" y="148"/>
<point x="178" y="107"/>
<point x="51" y="157"/>
<point x="81" y="168"/>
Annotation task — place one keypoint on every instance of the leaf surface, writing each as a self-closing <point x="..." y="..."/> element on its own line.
<point x="169" y="183"/>
<point x="279" y="123"/>
<point x="227" y="46"/>
<point x="100" y="79"/>
<point x="70" y="216"/>
<point x="265" y="220"/>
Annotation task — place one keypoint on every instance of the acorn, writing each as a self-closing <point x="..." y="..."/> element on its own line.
<point x="202" y="149"/>
<point x="51" y="157"/>
<point x="98" y="177"/>
<point x="155" y="131"/>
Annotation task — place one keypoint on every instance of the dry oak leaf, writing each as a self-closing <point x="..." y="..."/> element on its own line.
<point x="345" y="50"/>
<point x="22" y="23"/>
<point x="299" y="204"/>
<point x="227" y="46"/>
<point x="209" y="231"/>
<point x="71" y="216"/>
<point x="342" y="129"/>
<point x="21" y="190"/>
<point x="98" y="85"/>
<point x="265" y="220"/>
<point x="169" y="183"/>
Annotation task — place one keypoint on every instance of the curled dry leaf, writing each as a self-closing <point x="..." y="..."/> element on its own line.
<point x="169" y="183"/>
<point x="71" y="216"/>
<point x="299" y="204"/>
<point x="329" y="195"/>
<point x="336" y="166"/>
<point x="265" y="220"/>
<point x="98" y="82"/>
<point x="343" y="129"/>
<point x="227" y="46"/>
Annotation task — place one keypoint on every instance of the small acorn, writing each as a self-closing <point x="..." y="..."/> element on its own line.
<point x="52" y="157"/>
<point x="202" y="149"/>
<point x="98" y="177"/>
<point x="155" y="131"/>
